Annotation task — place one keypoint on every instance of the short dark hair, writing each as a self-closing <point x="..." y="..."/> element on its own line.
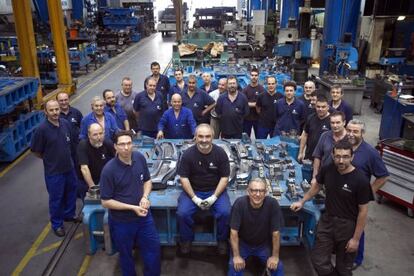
<point x="337" y="86"/>
<point x="231" y="77"/>
<point x="106" y="91"/>
<point x="343" y="144"/>
<point x="321" y="98"/>
<point x="314" y="94"/>
<point x="289" y="83"/>
<point x="154" y="63"/>
<point x="179" y="69"/>
<point x="254" y="69"/>
<point x="121" y="133"/>
<point x="338" y="113"/>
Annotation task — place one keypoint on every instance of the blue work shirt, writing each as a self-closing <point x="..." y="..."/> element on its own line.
<point x="163" y="85"/>
<point x="367" y="159"/>
<point x="267" y="104"/>
<point x="175" y="89"/>
<point x="182" y="127"/>
<point x="124" y="183"/>
<point x="345" y="108"/>
<point x="56" y="145"/>
<point x="119" y="114"/>
<point x="289" y="116"/>
<point x="213" y="86"/>
<point x="110" y="125"/>
<point x="231" y="114"/>
<point x="150" y="111"/>
<point x="197" y="104"/>
<point x="74" y="117"/>
<point x="324" y="148"/>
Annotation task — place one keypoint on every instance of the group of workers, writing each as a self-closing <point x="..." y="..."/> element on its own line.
<point x="81" y="152"/>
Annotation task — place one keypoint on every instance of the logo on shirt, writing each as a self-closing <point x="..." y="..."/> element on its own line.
<point x="257" y="92"/>
<point x="199" y="163"/>
<point x="67" y="138"/>
<point x="74" y="120"/>
<point x="158" y="107"/>
<point x="346" y="188"/>
<point x="324" y="127"/>
<point x="294" y="112"/>
<point x="103" y="157"/>
<point x="237" y="109"/>
<point x="141" y="176"/>
<point x="212" y="166"/>
<point x="195" y="105"/>
<point x="274" y="101"/>
<point x="310" y="105"/>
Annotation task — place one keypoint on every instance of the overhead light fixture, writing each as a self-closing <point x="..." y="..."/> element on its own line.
<point x="401" y="18"/>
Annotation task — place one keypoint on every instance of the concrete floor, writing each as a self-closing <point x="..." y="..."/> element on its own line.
<point x="27" y="244"/>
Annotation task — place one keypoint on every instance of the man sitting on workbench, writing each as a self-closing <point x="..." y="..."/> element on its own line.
<point x="204" y="174"/>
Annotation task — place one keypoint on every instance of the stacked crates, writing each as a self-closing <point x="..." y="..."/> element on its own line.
<point x="123" y="19"/>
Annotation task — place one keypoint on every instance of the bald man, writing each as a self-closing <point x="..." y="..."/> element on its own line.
<point x="177" y="122"/>
<point x="53" y="141"/>
<point x="93" y="154"/>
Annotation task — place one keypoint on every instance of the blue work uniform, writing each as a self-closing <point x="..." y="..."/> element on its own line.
<point x="124" y="183"/>
<point x="251" y="120"/>
<point x="324" y="148"/>
<point x="110" y="125"/>
<point x="232" y="115"/>
<point x="197" y="103"/>
<point x="267" y="117"/>
<point x="150" y="112"/>
<point x="74" y="117"/>
<point x="289" y="116"/>
<point x="163" y="86"/>
<point x="56" y="146"/>
<point x="182" y="127"/>
<point x="345" y="108"/>
<point x="213" y="86"/>
<point x="175" y="89"/>
<point x="119" y="114"/>
<point x="368" y="160"/>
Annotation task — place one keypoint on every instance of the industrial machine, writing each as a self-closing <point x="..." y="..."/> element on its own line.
<point x="214" y="18"/>
<point x="167" y="20"/>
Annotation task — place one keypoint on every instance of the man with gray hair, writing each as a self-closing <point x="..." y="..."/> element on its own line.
<point x="368" y="160"/>
<point x="256" y="220"/>
<point x="214" y="121"/>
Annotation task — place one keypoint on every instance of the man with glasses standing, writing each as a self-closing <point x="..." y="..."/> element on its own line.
<point x="125" y="186"/>
<point x="255" y="225"/>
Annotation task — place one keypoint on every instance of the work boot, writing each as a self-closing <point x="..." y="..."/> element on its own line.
<point x="185" y="247"/>
<point x="60" y="232"/>
<point x="222" y="248"/>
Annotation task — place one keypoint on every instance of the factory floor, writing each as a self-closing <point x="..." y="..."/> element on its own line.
<point x="27" y="244"/>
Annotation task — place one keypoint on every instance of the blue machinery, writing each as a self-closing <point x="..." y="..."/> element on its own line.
<point x="269" y="159"/>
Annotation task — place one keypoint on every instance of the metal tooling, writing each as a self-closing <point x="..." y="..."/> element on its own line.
<point x="268" y="159"/>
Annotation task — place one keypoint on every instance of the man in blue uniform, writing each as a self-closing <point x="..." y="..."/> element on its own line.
<point x="180" y="86"/>
<point x="53" y="142"/>
<point x="315" y="125"/>
<point x="149" y="106"/>
<point x="252" y="92"/>
<point x="70" y="113"/>
<point x="98" y="115"/>
<point x="177" y="122"/>
<point x="338" y="104"/>
<point x="255" y="225"/>
<point x="93" y="154"/>
<point x="266" y="108"/>
<point x="340" y="227"/>
<point x="125" y="97"/>
<point x="162" y="81"/>
<point x="232" y="107"/>
<point x="115" y="109"/>
<point x="368" y="160"/>
<point x="198" y="101"/>
<point x="308" y="89"/>
<point x="289" y="112"/>
<point x="208" y="86"/>
<point x="204" y="173"/>
<point x="125" y="187"/>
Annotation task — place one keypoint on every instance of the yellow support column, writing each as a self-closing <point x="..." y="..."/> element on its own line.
<point x="61" y="48"/>
<point x="27" y="45"/>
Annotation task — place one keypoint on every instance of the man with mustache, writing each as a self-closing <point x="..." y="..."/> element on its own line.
<point x="115" y="109"/>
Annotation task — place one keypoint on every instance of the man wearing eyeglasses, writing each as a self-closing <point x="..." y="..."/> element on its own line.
<point x="125" y="186"/>
<point x="255" y="225"/>
<point x="340" y="227"/>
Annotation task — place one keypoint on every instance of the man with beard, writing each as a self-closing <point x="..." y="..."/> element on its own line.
<point x="177" y="122"/>
<point x="98" y="115"/>
<point x="316" y="124"/>
<point x="93" y="154"/>
<point x="149" y="106"/>
<point x="341" y="225"/>
<point x="198" y="101"/>
<point x="232" y="107"/>
<point x="266" y="108"/>
<point x="208" y="86"/>
<point x="162" y="81"/>
<point x="204" y="174"/>
<point x="53" y="142"/>
<point x="338" y="104"/>
<point x="115" y="109"/>
<point x="125" y="97"/>
<point x="215" y="121"/>
<point x="368" y="160"/>
<point x="252" y="92"/>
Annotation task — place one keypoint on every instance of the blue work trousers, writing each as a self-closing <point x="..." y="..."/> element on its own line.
<point x="62" y="197"/>
<point x="360" y="255"/>
<point x="141" y="234"/>
<point x="247" y="127"/>
<point x="262" y="252"/>
<point x="220" y="210"/>
<point x="82" y="188"/>
<point x="263" y="132"/>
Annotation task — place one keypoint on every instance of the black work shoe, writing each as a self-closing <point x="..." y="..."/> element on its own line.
<point x="74" y="219"/>
<point x="60" y="232"/>
<point x="185" y="247"/>
<point x="222" y="247"/>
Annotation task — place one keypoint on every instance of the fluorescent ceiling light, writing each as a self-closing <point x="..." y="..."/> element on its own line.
<point x="401" y="18"/>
